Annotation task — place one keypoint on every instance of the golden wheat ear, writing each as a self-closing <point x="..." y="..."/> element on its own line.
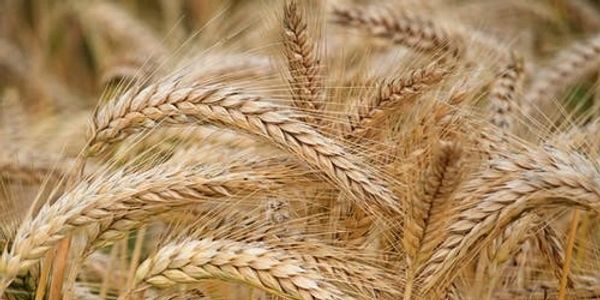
<point x="404" y="28"/>
<point x="428" y="214"/>
<point x="269" y="269"/>
<point x="303" y="61"/>
<point x="569" y="65"/>
<point x="114" y="204"/>
<point x="512" y="187"/>
<point x="504" y="102"/>
<point x="389" y="97"/>
<point x="168" y="102"/>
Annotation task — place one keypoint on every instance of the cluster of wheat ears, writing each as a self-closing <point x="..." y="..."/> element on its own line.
<point x="299" y="149"/>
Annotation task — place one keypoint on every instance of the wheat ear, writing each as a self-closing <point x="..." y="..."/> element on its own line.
<point x="354" y="272"/>
<point x="390" y="96"/>
<point x="503" y="247"/>
<point x="13" y="63"/>
<point x="13" y="118"/>
<point x="584" y="13"/>
<point x="509" y="188"/>
<point x="544" y="291"/>
<point x="550" y="244"/>
<point x="167" y="102"/>
<point x="428" y="212"/>
<point x="303" y="61"/>
<point x="122" y="29"/>
<point x="117" y="204"/>
<point x="569" y="65"/>
<point x="30" y="167"/>
<point x="128" y="69"/>
<point x="256" y="178"/>
<point x="503" y="95"/>
<point x="272" y="270"/>
<point x="178" y="294"/>
<point x="405" y="29"/>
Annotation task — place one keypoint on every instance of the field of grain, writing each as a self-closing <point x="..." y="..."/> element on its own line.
<point x="299" y="149"/>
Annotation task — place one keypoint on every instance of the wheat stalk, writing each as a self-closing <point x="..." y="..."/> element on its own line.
<point x="565" y="272"/>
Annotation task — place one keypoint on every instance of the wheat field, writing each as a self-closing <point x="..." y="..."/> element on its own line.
<point x="299" y="149"/>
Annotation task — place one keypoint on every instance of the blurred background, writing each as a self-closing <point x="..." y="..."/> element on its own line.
<point x="59" y="54"/>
